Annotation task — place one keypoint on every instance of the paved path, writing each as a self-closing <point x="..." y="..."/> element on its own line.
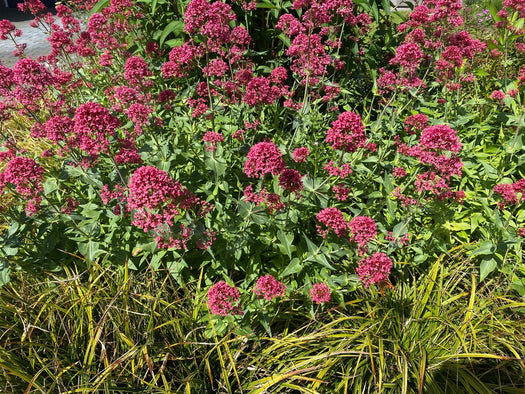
<point x="36" y="40"/>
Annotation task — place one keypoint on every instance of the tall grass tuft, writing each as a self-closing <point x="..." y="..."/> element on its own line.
<point x="108" y="330"/>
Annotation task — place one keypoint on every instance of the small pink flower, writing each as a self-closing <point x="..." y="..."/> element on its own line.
<point x="269" y="287"/>
<point x="341" y="192"/>
<point x="374" y="269"/>
<point x="399" y="172"/>
<point x="332" y="219"/>
<point x="347" y="132"/>
<point x="291" y="180"/>
<point x="320" y="293"/>
<point x="440" y="137"/>
<point x="212" y="138"/>
<point x="497" y="95"/>
<point x="415" y="122"/>
<point x="263" y="158"/>
<point x="300" y="154"/>
<point x="223" y="298"/>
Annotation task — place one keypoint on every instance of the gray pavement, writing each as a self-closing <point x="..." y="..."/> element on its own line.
<point x="34" y="38"/>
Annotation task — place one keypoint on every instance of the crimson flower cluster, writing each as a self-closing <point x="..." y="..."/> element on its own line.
<point x="93" y="126"/>
<point x="264" y="158"/>
<point x="334" y="220"/>
<point x="269" y="288"/>
<point x="512" y="193"/>
<point x="272" y="201"/>
<point x="362" y="230"/>
<point x="156" y="202"/>
<point x="320" y="293"/>
<point x="347" y="132"/>
<point x="437" y="151"/>
<point x="211" y="139"/>
<point x="25" y="175"/>
<point x="374" y="269"/>
<point x="432" y="27"/>
<point x="223" y="299"/>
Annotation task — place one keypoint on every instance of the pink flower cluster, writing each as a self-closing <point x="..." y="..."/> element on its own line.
<point x="137" y="72"/>
<point x="8" y="30"/>
<point x="432" y="28"/>
<point x="311" y="35"/>
<point x="291" y="180"/>
<point x="264" y="158"/>
<point x="342" y="172"/>
<point x="269" y="288"/>
<point x="272" y="201"/>
<point x="211" y="139"/>
<point x="415" y="123"/>
<point x="403" y="240"/>
<point x="223" y="299"/>
<point x="374" y="269"/>
<point x="362" y="230"/>
<point x="437" y="149"/>
<point x="25" y="175"/>
<point x="93" y="126"/>
<point x="156" y="200"/>
<point x="332" y="220"/>
<point x="440" y="138"/>
<point x="300" y="154"/>
<point x="320" y="293"/>
<point x="512" y="193"/>
<point x="347" y="132"/>
<point x="341" y="192"/>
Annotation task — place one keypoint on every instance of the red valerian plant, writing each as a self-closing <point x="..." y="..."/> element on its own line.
<point x="223" y="299"/>
<point x="231" y="145"/>
<point x="320" y="293"/>
<point x="374" y="269"/>
<point x="156" y="200"/>
<point x="332" y="219"/>
<point x="269" y="288"/>
<point x="264" y="158"/>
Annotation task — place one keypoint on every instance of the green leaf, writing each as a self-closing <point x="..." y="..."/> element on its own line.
<point x="286" y="242"/>
<point x="50" y="186"/>
<point x="175" y="27"/>
<point x="519" y="286"/>
<point x="456" y="226"/>
<point x="217" y="165"/>
<point x="97" y="7"/>
<point x="386" y="6"/>
<point x="374" y="195"/>
<point x="90" y="250"/>
<point x="266" y="4"/>
<point x="175" y="42"/>
<point x="156" y="260"/>
<point x="321" y="259"/>
<point x="487" y="266"/>
<point x="246" y="211"/>
<point x="475" y="219"/>
<point x="293" y="267"/>
<point x="4" y="271"/>
<point x="9" y="251"/>
<point x="399" y="230"/>
<point x="486" y="248"/>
